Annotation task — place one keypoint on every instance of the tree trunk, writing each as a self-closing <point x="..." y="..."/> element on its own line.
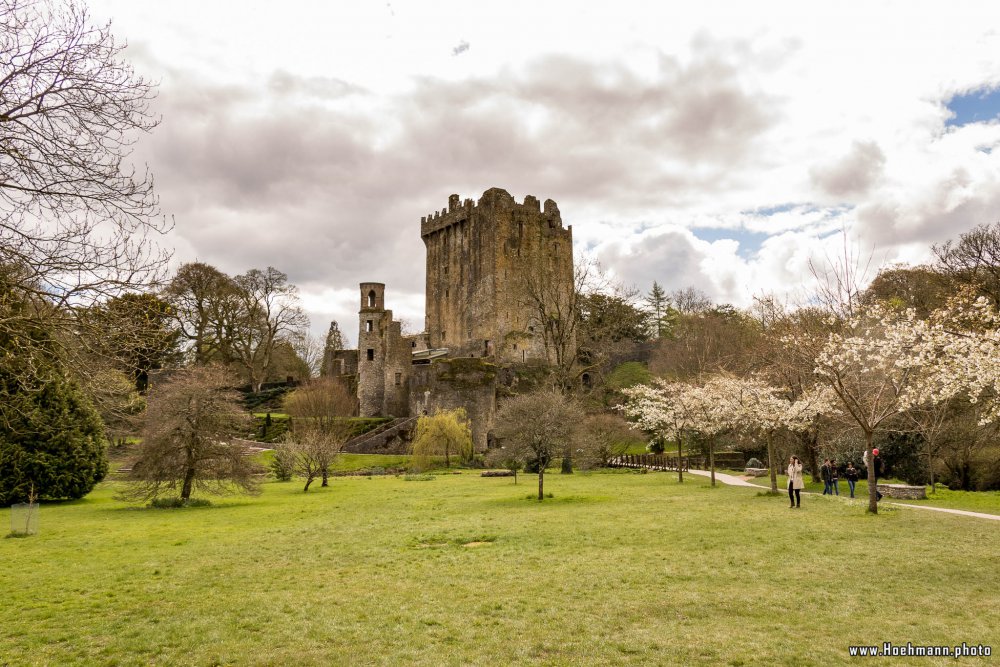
<point x="189" y="473"/>
<point x="711" y="458"/>
<point x="541" y="477"/>
<point x="930" y="467"/>
<point x="680" y="468"/>
<point x="515" y="476"/>
<point x="872" y="483"/>
<point x="809" y="439"/>
<point x="188" y="484"/>
<point x="447" y="460"/>
<point x="326" y="474"/>
<point x="770" y="462"/>
<point x="309" y="480"/>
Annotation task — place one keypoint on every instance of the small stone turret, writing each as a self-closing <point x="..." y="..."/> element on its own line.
<point x="372" y="349"/>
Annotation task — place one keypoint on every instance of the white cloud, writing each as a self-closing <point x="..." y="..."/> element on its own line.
<point x="313" y="137"/>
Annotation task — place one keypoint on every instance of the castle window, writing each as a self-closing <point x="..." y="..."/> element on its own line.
<point x="413" y="344"/>
<point x="399" y="379"/>
<point x="443" y="334"/>
<point x="369" y="326"/>
<point x="371" y="299"/>
<point x="515" y="347"/>
<point x="371" y="354"/>
<point x="446" y="293"/>
<point x="445" y="269"/>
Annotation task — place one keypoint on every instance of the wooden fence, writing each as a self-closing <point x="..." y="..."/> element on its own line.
<point x="650" y="462"/>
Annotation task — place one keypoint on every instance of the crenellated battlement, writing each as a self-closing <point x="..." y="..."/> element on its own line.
<point x="459" y="210"/>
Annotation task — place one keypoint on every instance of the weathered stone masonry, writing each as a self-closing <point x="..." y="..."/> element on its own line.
<point x="487" y="264"/>
<point x="483" y="262"/>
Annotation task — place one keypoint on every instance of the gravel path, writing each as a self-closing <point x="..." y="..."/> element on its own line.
<point x="733" y="480"/>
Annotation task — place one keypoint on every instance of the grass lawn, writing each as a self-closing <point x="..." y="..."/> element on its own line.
<point x="987" y="502"/>
<point x="617" y="568"/>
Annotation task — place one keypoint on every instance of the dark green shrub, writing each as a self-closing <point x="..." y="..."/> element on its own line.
<point x="50" y="435"/>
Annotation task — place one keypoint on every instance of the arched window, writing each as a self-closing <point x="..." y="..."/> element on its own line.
<point x="371" y="299"/>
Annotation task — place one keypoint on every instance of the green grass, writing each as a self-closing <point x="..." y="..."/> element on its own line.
<point x="987" y="502"/>
<point x="974" y="501"/>
<point x="615" y="569"/>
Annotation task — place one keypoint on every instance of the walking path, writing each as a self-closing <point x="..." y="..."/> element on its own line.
<point x="733" y="480"/>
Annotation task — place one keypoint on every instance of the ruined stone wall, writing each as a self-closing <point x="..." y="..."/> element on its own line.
<point x="342" y="362"/>
<point x="466" y="383"/>
<point x="486" y="264"/>
<point x="397" y="371"/>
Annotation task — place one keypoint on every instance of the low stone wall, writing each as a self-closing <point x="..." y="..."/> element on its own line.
<point x="756" y="472"/>
<point x="903" y="491"/>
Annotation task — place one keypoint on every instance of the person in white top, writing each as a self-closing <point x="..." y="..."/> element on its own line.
<point x="795" y="483"/>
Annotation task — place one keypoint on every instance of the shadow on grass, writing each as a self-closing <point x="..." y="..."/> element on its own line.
<point x="550" y="499"/>
<point x="181" y="509"/>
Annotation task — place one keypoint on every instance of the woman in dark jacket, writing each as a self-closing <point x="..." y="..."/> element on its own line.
<point x="852" y="477"/>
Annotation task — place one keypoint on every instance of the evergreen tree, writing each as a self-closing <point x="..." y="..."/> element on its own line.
<point x="51" y="437"/>
<point x="660" y="312"/>
<point x="334" y="341"/>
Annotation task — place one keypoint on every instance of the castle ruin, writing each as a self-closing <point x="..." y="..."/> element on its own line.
<point x="496" y="269"/>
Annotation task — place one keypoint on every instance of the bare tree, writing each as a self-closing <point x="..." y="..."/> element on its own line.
<point x="270" y="313"/>
<point x="187" y="442"/>
<point x="538" y="427"/>
<point x="319" y="426"/>
<point x="310" y="350"/>
<point x="609" y="436"/>
<point x="840" y="280"/>
<point x="205" y="307"/>
<point x="974" y="260"/>
<point x="690" y="301"/>
<point x="560" y="316"/>
<point x="73" y="211"/>
<point x="555" y="312"/>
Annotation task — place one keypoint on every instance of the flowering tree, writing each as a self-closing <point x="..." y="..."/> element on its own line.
<point x="878" y="365"/>
<point x="757" y="408"/>
<point x="714" y="412"/>
<point x="668" y="409"/>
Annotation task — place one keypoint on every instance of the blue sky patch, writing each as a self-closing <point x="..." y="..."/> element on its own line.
<point x="771" y="210"/>
<point x="749" y="241"/>
<point x="976" y="106"/>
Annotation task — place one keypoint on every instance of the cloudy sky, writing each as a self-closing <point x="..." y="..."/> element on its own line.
<point x="714" y="144"/>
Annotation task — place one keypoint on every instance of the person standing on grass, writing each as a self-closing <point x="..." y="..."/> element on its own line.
<point x="824" y="472"/>
<point x="834" y="477"/>
<point x="877" y="462"/>
<point x="852" y="477"/>
<point x="795" y="483"/>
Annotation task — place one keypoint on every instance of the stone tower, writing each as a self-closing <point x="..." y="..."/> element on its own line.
<point x="491" y="264"/>
<point x="383" y="357"/>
